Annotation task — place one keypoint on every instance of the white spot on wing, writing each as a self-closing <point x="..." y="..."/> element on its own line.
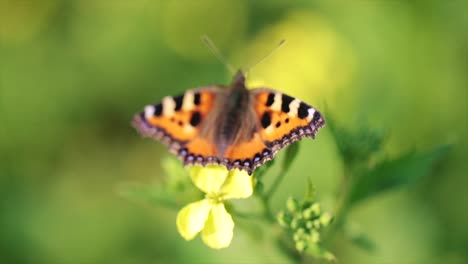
<point x="149" y="111"/>
<point x="188" y="129"/>
<point x="294" y="107"/>
<point x="269" y="129"/>
<point x="187" y="104"/>
<point x="311" y="113"/>
<point x="276" y="106"/>
<point x="168" y="105"/>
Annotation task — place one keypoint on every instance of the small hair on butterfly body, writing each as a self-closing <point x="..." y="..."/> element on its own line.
<point x="232" y="126"/>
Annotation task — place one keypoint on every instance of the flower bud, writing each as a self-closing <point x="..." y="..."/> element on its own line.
<point x="315" y="208"/>
<point x="292" y="204"/>
<point x="296" y="237"/>
<point x="307" y="213"/>
<point x="317" y="224"/>
<point x="314" y="236"/>
<point x="281" y="218"/>
<point x="298" y="216"/>
<point x="325" y="219"/>
<point x="300" y="246"/>
<point x="294" y="223"/>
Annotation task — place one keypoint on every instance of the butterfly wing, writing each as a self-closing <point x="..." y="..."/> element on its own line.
<point x="247" y="155"/>
<point x="280" y="120"/>
<point x="283" y="119"/>
<point x="177" y="121"/>
<point x="185" y="125"/>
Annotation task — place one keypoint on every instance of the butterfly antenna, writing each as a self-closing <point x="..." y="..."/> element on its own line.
<point x="212" y="47"/>
<point x="268" y="55"/>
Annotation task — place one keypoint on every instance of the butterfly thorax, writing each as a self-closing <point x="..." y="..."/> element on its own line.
<point x="236" y="120"/>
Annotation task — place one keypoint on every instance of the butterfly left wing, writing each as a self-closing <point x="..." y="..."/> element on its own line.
<point x="176" y="121"/>
<point x="283" y="119"/>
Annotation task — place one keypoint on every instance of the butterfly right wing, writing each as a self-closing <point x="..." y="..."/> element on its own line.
<point x="284" y="119"/>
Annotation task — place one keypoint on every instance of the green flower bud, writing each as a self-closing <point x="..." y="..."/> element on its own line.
<point x="315" y="208"/>
<point x="300" y="231"/>
<point x="309" y="224"/>
<point x="294" y="223"/>
<point x="307" y="213"/>
<point x="298" y="216"/>
<point x="292" y="204"/>
<point x="281" y="218"/>
<point x="314" y="236"/>
<point x="317" y="224"/>
<point x="325" y="219"/>
<point x="296" y="237"/>
<point x="300" y="246"/>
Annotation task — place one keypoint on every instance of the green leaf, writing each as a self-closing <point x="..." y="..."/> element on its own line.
<point x="395" y="173"/>
<point x="356" y="146"/>
<point x="363" y="242"/>
<point x="147" y="193"/>
<point x="290" y="155"/>
<point x="357" y="236"/>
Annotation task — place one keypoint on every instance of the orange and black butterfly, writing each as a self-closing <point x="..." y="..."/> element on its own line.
<point x="231" y="126"/>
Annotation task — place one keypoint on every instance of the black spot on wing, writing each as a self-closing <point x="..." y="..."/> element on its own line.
<point x="270" y="99"/>
<point x="158" y="110"/>
<point x="195" y="119"/>
<point x="143" y="116"/>
<point x="303" y="111"/>
<point x="196" y="98"/>
<point x="266" y="152"/>
<point x="257" y="158"/>
<point x="285" y="101"/>
<point x="178" y="102"/>
<point x="266" y="119"/>
<point x="278" y="124"/>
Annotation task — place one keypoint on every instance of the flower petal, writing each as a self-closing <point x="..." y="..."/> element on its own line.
<point x="209" y="179"/>
<point x="219" y="228"/>
<point x="239" y="184"/>
<point x="191" y="219"/>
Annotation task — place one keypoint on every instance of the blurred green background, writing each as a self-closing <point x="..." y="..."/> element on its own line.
<point x="74" y="72"/>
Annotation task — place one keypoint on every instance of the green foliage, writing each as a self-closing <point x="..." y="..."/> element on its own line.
<point x="175" y="189"/>
<point x="364" y="180"/>
<point x="355" y="146"/>
<point x="391" y="174"/>
<point x="358" y="237"/>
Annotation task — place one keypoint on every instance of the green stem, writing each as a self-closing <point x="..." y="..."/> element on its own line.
<point x="275" y="184"/>
<point x="343" y="208"/>
<point x="247" y="215"/>
<point x="268" y="214"/>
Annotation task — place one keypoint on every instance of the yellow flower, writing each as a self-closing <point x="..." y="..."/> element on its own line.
<point x="209" y="216"/>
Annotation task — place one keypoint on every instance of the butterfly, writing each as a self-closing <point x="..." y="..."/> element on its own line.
<point x="231" y="126"/>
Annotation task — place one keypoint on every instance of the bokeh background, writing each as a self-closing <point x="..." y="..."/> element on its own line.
<point x="74" y="72"/>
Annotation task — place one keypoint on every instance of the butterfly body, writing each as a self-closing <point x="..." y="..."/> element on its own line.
<point x="233" y="126"/>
